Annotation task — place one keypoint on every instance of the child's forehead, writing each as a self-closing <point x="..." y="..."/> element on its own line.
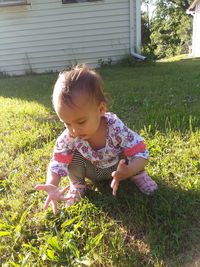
<point x="75" y="112"/>
<point x="79" y="103"/>
<point x="79" y="100"/>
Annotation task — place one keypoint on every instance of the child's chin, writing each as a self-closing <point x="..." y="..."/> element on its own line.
<point x="84" y="137"/>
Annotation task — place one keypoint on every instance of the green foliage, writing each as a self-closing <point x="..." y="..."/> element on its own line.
<point x="170" y="30"/>
<point x="161" y="101"/>
<point x="146" y="30"/>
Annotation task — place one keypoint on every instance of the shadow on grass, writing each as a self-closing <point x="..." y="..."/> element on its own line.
<point x="163" y="227"/>
<point x="36" y="88"/>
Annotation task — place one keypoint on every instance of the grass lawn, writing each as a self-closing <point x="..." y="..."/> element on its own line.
<point x="161" y="102"/>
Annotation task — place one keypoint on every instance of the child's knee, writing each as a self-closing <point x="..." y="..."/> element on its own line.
<point x="77" y="171"/>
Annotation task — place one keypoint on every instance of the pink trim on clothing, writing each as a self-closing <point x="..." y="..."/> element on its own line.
<point x="140" y="147"/>
<point x="63" y="158"/>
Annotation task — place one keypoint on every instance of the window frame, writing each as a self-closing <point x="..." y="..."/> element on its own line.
<point x="66" y="2"/>
<point x="14" y="3"/>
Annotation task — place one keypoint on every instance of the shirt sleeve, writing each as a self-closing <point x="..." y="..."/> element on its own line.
<point x="62" y="155"/>
<point x="131" y="143"/>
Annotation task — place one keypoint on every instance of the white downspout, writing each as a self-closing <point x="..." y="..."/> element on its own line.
<point x="194" y="35"/>
<point x="192" y="13"/>
<point x="135" y="50"/>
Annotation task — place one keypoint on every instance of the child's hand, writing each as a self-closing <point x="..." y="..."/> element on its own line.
<point x="54" y="195"/>
<point x="120" y="174"/>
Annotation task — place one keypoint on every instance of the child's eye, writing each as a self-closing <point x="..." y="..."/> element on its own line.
<point x="81" y="122"/>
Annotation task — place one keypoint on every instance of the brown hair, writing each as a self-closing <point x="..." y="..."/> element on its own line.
<point x="79" y="79"/>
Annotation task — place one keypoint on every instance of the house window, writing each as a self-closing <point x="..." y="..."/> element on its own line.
<point x="13" y="2"/>
<point x="77" y="1"/>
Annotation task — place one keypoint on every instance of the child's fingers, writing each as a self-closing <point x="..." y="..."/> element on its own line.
<point x="40" y="187"/>
<point x="62" y="191"/>
<point x="46" y="187"/>
<point x="113" y="174"/>
<point x="116" y="174"/>
<point x="62" y="198"/>
<point x="115" y="188"/>
<point x="47" y="202"/>
<point x="121" y="163"/>
<point x="114" y="185"/>
<point x="54" y="206"/>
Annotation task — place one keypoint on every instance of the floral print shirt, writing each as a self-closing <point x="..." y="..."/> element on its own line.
<point x="119" y="140"/>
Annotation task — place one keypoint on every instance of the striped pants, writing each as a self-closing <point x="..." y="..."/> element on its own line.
<point x="81" y="168"/>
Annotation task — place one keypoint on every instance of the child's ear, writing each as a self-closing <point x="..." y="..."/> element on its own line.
<point x="102" y="108"/>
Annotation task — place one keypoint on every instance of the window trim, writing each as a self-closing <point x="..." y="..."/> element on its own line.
<point x="14" y="3"/>
<point x="64" y="2"/>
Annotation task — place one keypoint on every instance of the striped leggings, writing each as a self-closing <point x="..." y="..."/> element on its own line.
<point x="81" y="168"/>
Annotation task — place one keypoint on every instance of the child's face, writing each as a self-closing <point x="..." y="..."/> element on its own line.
<point x="82" y="119"/>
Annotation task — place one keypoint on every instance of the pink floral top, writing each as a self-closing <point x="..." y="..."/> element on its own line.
<point x="120" y="140"/>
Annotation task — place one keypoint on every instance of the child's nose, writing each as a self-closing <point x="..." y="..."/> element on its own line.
<point x="75" y="131"/>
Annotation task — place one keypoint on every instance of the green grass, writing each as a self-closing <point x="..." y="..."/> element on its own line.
<point x="161" y="102"/>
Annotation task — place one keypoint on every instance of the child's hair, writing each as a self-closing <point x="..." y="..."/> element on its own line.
<point x="80" y="79"/>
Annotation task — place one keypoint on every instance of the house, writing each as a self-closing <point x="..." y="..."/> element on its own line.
<point x="194" y="10"/>
<point x="50" y="35"/>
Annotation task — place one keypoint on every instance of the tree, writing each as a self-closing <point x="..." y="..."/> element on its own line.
<point x="146" y="27"/>
<point x="170" y="28"/>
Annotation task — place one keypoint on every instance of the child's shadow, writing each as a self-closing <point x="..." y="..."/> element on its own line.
<point x="163" y="227"/>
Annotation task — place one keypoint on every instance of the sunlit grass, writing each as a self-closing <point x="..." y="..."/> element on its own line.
<point x="161" y="101"/>
<point x="176" y="58"/>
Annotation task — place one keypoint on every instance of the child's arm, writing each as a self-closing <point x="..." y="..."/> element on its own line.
<point x="54" y="193"/>
<point x="52" y="178"/>
<point x="125" y="171"/>
<point x="132" y="147"/>
<point x="58" y="168"/>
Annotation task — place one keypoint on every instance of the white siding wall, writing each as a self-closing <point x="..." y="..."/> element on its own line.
<point x="196" y="32"/>
<point x="49" y="36"/>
